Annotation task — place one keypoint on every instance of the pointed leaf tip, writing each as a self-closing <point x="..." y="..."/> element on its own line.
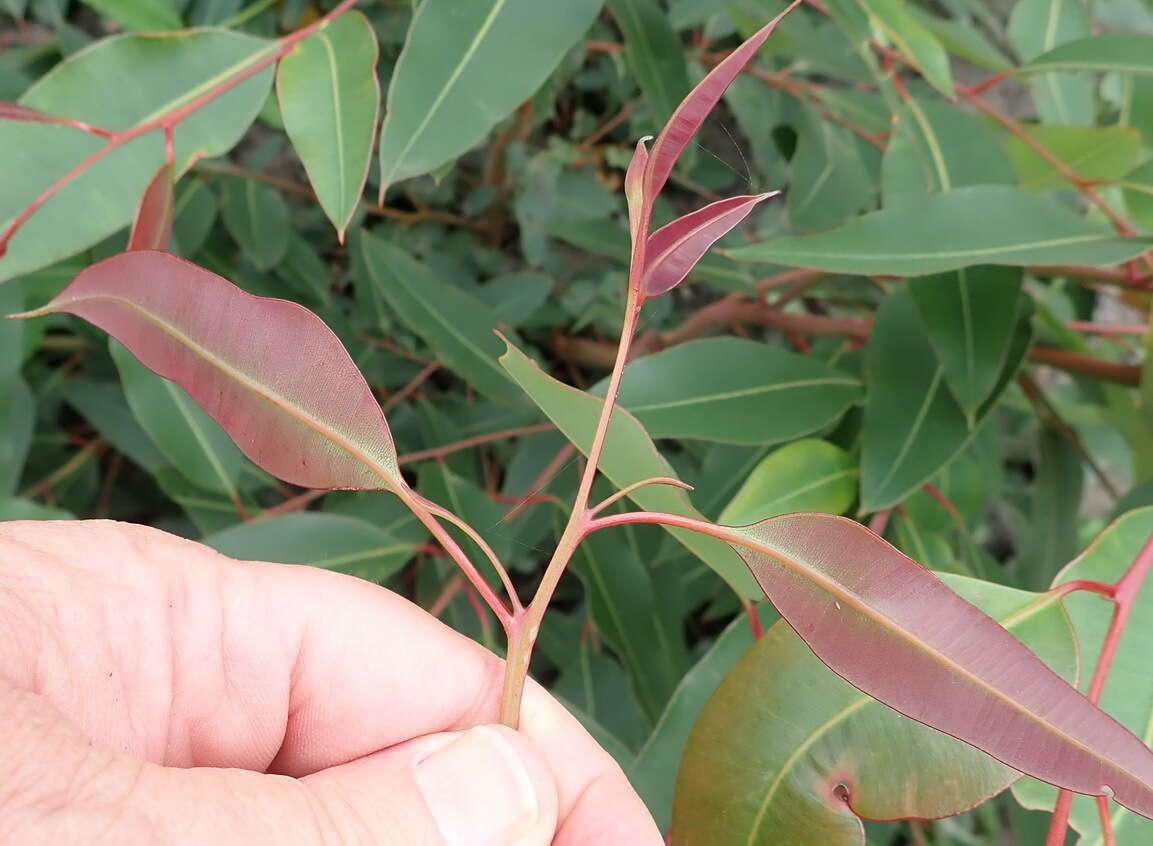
<point x="674" y="249"/>
<point x="892" y="629"/>
<point x="697" y="105"/>
<point x="152" y="228"/>
<point x="634" y="187"/>
<point x="269" y="371"/>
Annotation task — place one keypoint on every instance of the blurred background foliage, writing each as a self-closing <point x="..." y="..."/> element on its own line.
<point x="938" y="328"/>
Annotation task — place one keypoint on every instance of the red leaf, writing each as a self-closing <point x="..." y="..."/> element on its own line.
<point x="634" y="187"/>
<point x="693" y="110"/>
<point x="676" y="247"/>
<point x="892" y="629"/>
<point x="269" y="371"/>
<point x="152" y="229"/>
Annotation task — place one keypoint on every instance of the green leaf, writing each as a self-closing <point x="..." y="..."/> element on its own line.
<point x="193" y="215"/>
<point x="330" y="101"/>
<point x="516" y="296"/>
<point x="787" y="752"/>
<point x="829" y="181"/>
<point x="913" y="41"/>
<point x="477" y="508"/>
<point x="103" y="405"/>
<point x="969" y="316"/>
<point x="166" y="71"/>
<point x="1138" y="188"/>
<point x="1100" y="154"/>
<point x="936" y="147"/>
<point x="654" y="771"/>
<point x="1128" y="693"/>
<point x="734" y="391"/>
<point x="808" y="475"/>
<point x="15" y="508"/>
<point x="629" y="457"/>
<point x="624" y="603"/>
<point x="257" y="217"/>
<point x="331" y="541"/>
<point x="913" y="426"/>
<point x="654" y="55"/>
<point x="976" y="225"/>
<point x="1127" y="53"/>
<point x="187" y="436"/>
<point x="1037" y="26"/>
<point x="963" y="40"/>
<point x="17" y="416"/>
<point x="453" y="322"/>
<point x="463" y="68"/>
<point x="139" y="15"/>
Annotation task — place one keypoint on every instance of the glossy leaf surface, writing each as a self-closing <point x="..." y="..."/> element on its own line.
<point x="465" y="67"/>
<point x="332" y="541"/>
<point x="674" y="249"/>
<point x="166" y="71"/>
<point x="894" y="630"/>
<point x="1128" y="692"/>
<point x="788" y="752"/>
<point x="629" y="457"/>
<point x="976" y="225"/>
<point x="807" y="475"/>
<point x="735" y="391"/>
<point x="330" y="99"/>
<point x="152" y="228"/>
<point x="269" y="371"/>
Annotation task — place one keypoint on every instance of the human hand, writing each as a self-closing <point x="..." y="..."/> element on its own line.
<point x="154" y="691"/>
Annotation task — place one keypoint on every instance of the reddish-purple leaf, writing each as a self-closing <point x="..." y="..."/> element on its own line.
<point x="674" y="249"/>
<point x="693" y="110"/>
<point x="269" y="371"/>
<point x="152" y="229"/>
<point x="892" y="629"/>
<point x="634" y="187"/>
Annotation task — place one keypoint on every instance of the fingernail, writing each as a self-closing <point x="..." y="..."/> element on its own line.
<point x="479" y="790"/>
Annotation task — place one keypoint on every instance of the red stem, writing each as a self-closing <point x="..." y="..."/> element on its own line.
<point x="1124" y="595"/>
<point x="170" y="119"/>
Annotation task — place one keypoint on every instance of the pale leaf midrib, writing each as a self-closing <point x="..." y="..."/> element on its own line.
<point x="744" y="392"/>
<point x="883" y="621"/>
<point x="302" y="416"/>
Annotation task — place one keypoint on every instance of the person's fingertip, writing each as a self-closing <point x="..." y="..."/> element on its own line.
<point x="488" y="786"/>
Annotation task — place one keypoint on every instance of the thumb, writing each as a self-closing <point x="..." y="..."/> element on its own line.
<point x="487" y="786"/>
<point x="483" y="787"/>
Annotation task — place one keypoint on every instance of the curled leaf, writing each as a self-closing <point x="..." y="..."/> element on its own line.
<point x="152" y="228"/>
<point x="634" y="187"/>
<point x="269" y="371"/>
<point x="676" y="247"/>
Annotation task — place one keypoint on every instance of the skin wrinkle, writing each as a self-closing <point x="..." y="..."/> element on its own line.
<point x="294" y="687"/>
